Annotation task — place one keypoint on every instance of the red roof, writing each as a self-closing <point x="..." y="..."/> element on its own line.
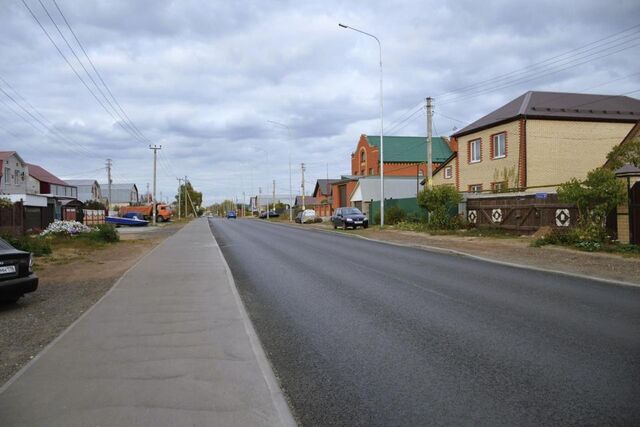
<point x="43" y="175"/>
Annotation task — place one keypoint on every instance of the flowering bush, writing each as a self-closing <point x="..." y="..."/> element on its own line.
<point x="65" y="227"/>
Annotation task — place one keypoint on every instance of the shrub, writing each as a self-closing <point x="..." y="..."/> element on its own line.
<point x="35" y="244"/>
<point x="5" y="202"/>
<point x="104" y="233"/>
<point x="95" y="205"/>
<point x="394" y="215"/>
<point x="65" y="228"/>
<point x="595" y="198"/>
<point x="438" y="201"/>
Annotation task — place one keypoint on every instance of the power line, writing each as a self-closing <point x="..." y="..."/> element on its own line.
<point x="115" y="100"/>
<point x="547" y="61"/>
<point x="72" y="67"/>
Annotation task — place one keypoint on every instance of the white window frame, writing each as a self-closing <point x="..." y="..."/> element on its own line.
<point x="496" y="139"/>
<point x="7" y="176"/>
<point x="472" y="188"/>
<point x="475" y="143"/>
<point x="448" y="172"/>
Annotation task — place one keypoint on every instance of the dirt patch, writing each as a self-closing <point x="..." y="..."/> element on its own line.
<point x="514" y="250"/>
<point x="72" y="279"/>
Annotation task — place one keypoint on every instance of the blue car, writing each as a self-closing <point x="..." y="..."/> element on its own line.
<point x="232" y="214"/>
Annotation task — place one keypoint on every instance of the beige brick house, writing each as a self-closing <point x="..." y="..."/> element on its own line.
<point x="538" y="141"/>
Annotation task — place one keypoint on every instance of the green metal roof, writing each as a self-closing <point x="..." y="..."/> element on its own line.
<point x="411" y="148"/>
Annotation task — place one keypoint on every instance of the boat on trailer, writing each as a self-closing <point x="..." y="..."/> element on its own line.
<point x="131" y="222"/>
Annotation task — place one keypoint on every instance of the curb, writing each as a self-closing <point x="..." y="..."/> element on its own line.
<point x="277" y="396"/>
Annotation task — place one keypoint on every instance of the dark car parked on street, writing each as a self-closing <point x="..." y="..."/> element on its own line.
<point x="349" y="217"/>
<point x="232" y="214"/>
<point x="272" y="214"/>
<point x="16" y="273"/>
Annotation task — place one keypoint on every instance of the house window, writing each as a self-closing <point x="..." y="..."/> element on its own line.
<point x="498" y="187"/>
<point x="7" y="175"/>
<point x="475" y="188"/>
<point x="499" y="145"/>
<point x="448" y="172"/>
<point x="370" y="171"/>
<point x="363" y="156"/>
<point x="475" y="151"/>
<point x="16" y="177"/>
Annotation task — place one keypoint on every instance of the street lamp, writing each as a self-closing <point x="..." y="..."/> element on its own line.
<point x="381" y="123"/>
<point x="290" y="190"/>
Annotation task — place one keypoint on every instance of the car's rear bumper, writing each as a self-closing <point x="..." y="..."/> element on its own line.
<point x="18" y="286"/>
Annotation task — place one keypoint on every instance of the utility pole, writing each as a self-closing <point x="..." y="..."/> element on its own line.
<point x="429" y="144"/>
<point x="109" y="181"/>
<point x="155" y="149"/>
<point x="273" y="200"/>
<point x="243" y="204"/>
<point x="179" y="196"/>
<point x="185" y="196"/>
<point x="147" y="196"/>
<point x="259" y="194"/>
<point x="302" y="169"/>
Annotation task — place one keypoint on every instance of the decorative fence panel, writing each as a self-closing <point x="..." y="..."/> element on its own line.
<point x="522" y="213"/>
<point x="93" y="217"/>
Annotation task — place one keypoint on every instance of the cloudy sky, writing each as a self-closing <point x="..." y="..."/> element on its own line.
<point x="204" y="78"/>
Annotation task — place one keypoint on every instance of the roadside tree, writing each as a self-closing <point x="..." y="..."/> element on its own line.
<point x="439" y="201"/>
<point x="595" y="198"/>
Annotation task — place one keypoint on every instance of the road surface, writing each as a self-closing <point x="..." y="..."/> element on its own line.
<point x="365" y="333"/>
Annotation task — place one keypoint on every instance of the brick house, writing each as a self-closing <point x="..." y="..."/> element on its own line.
<point x="341" y="191"/>
<point x="537" y="141"/>
<point x="322" y="196"/>
<point x="403" y="155"/>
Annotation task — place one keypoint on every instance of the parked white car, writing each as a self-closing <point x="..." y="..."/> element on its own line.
<point x="307" y="216"/>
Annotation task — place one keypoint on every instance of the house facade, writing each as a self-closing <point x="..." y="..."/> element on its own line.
<point x="44" y="182"/>
<point x="538" y="141"/>
<point x="367" y="190"/>
<point x="322" y="195"/>
<point x="341" y="191"/>
<point x="121" y="194"/>
<point x="88" y="189"/>
<point x="403" y="155"/>
<point x="14" y="173"/>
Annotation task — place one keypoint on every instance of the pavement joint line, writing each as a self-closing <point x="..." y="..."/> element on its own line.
<point x="478" y="257"/>
<point x="26" y="367"/>
<point x="277" y="396"/>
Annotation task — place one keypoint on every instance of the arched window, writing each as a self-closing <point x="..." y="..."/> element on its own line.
<point x="363" y="156"/>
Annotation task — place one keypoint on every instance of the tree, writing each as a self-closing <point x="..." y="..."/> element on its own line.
<point x="621" y="154"/>
<point x="193" y="200"/>
<point x="595" y="198"/>
<point x="438" y="201"/>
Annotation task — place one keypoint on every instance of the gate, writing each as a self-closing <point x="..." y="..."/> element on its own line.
<point x="634" y="214"/>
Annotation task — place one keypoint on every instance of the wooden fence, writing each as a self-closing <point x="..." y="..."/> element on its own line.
<point x="521" y="213"/>
<point x="12" y="220"/>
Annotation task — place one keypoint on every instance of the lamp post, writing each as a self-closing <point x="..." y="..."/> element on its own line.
<point x="290" y="188"/>
<point x="381" y="122"/>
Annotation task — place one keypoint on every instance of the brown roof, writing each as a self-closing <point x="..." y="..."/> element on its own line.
<point x="561" y="106"/>
<point x="308" y="201"/>
<point x="43" y="175"/>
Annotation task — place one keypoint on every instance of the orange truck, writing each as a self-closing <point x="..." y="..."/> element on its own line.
<point x="163" y="212"/>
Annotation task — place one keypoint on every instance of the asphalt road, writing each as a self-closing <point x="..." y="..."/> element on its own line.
<point x="365" y="333"/>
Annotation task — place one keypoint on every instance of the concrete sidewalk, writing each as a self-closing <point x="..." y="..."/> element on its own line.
<point x="169" y="345"/>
